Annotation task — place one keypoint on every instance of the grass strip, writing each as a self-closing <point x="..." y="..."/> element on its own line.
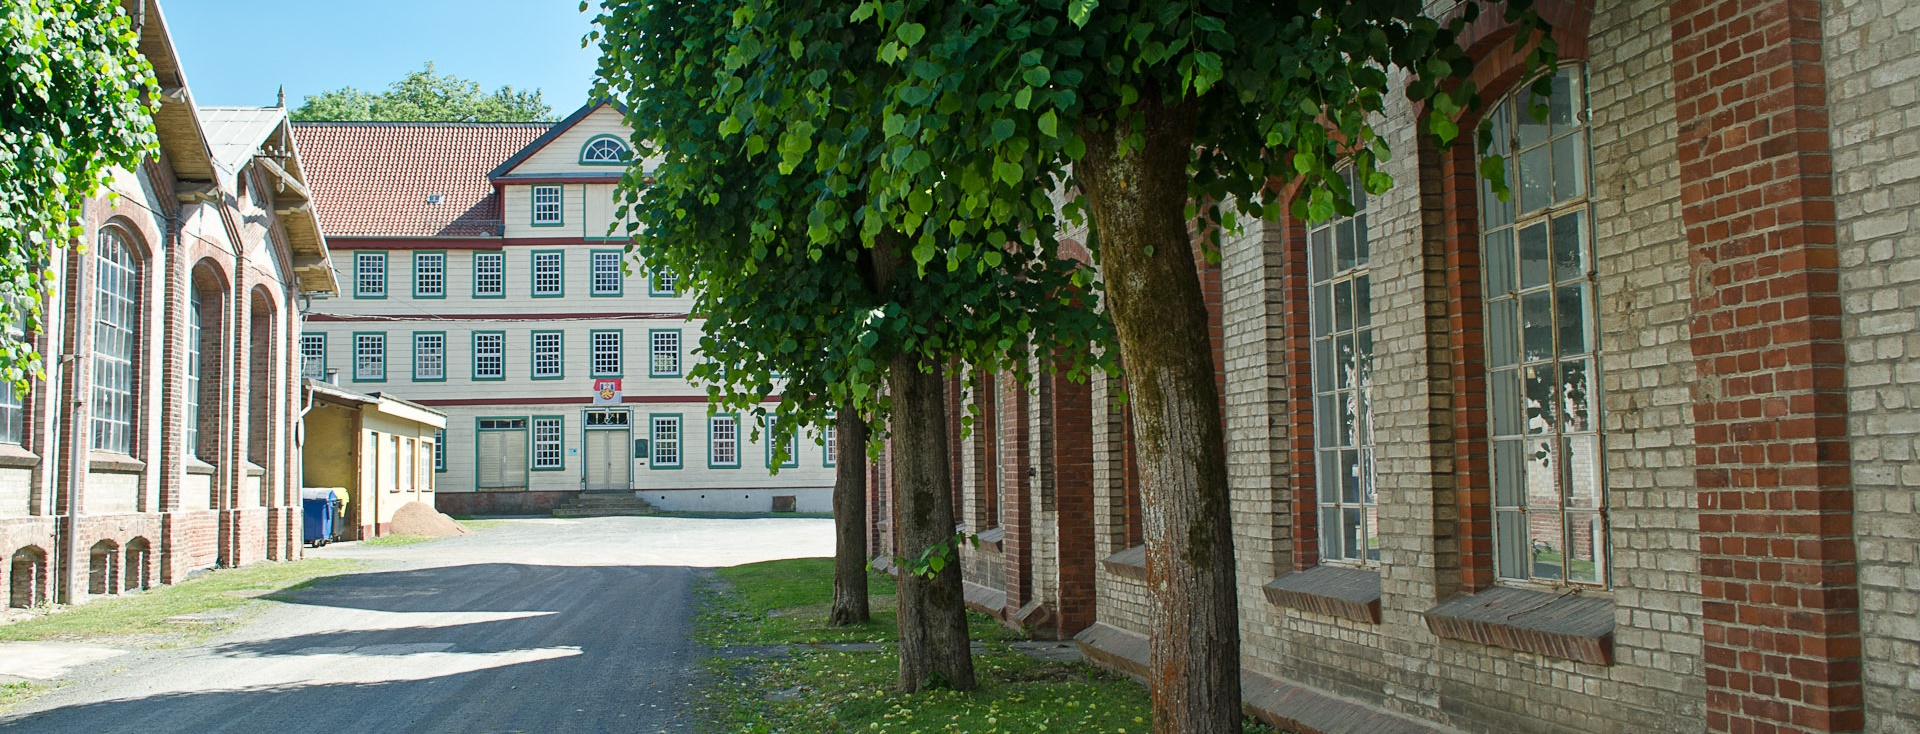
<point x="825" y="690"/>
<point x="147" y="612"/>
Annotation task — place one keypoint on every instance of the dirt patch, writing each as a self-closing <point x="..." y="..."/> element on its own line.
<point x="419" y="518"/>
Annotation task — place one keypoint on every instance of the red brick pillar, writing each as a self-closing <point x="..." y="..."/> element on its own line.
<point x="1072" y="478"/>
<point x="1016" y="486"/>
<point x="1776" y="533"/>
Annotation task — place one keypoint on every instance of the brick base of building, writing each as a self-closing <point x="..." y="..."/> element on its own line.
<point x="500" y="503"/>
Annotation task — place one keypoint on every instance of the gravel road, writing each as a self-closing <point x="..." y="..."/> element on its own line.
<point x="530" y="626"/>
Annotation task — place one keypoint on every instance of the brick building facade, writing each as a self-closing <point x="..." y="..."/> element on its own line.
<point x="160" y="441"/>
<point x="1631" y="452"/>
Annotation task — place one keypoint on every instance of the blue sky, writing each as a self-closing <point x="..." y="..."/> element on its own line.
<point x="239" y="53"/>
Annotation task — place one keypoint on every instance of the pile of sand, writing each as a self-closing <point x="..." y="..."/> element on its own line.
<point x="419" y="518"/>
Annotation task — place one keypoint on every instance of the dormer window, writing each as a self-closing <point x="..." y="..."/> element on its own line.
<point x="605" y="150"/>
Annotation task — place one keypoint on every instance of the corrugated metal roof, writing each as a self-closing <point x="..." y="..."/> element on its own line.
<point x="235" y="134"/>
<point x="378" y="179"/>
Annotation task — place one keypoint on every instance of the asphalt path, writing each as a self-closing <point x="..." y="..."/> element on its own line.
<point x="531" y="626"/>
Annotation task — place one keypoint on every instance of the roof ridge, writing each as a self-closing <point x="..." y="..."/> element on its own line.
<point x="422" y="123"/>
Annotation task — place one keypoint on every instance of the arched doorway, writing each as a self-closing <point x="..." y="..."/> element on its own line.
<point x="139" y="565"/>
<point x="27" y="576"/>
<point x="103" y="566"/>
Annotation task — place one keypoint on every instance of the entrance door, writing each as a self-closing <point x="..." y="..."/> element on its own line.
<point x="501" y="454"/>
<point x="609" y="442"/>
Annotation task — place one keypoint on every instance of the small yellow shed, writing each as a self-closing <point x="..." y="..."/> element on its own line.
<point x="378" y="450"/>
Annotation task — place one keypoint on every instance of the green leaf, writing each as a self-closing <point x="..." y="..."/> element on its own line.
<point x="911" y="33"/>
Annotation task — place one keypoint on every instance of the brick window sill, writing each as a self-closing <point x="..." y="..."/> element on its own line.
<point x="1568" y="625"/>
<point x="112" y="463"/>
<point x="1130" y="563"/>
<point x="14" y="455"/>
<point x="1336" y="591"/>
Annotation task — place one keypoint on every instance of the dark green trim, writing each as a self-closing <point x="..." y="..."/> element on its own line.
<point x="736" y="441"/>
<point x="793" y="457"/>
<point x="654" y="290"/>
<point x="680" y="356"/>
<point x="591" y="372"/>
<point x="503" y="275"/>
<point x="416" y="356"/>
<point x="533" y="273"/>
<point x="443" y="272"/>
<point x="603" y="136"/>
<point x="533" y="205"/>
<point x="439" y="452"/>
<point x="533" y="443"/>
<point x="473" y="356"/>
<point x="386" y="275"/>
<point x="303" y="353"/>
<point x="620" y="288"/>
<point x="653" y="443"/>
<point x="827" y="458"/>
<point x="533" y="353"/>
<point x="386" y="353"/>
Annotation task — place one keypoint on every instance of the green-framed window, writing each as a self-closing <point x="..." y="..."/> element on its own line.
<point x="489" y="275"/>
<point x="547" y="203"/>
<point x="429" y="356"/>
<point x="663" y="284"/>
<point x="663" y="352"/>
<point x="549" y="451"/>
<point x="313" y="355"/>
<point x="723" y="441"/>
<point x="792" y="444"/>
<point x="606" y="276"/>
<point x="370" y="275"/>
<point x="489" y="355"/>
<point x="665" y="434"/>
<point x="549" y="274"/>
<point x="829" y="441"/>
<point x="369" y="356"/>
<point x="549" y="355"/>
<point x="429" y="275"/>
<point x="605" y="352"/>
<point x="605" y="150"/>
<point x="440" y="450"/>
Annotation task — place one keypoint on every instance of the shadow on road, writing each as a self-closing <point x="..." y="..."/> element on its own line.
<point x="473" y="648"/>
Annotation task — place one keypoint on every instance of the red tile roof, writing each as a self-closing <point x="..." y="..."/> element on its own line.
<point x="375" y="179"/>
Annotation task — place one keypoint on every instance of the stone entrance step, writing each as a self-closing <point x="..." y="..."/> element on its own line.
<point x="604" y="504"/>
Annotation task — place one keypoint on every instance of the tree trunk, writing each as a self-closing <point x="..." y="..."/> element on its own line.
<point x="934" y="649"/>
<point x="849" y="519"/>
<point x="1153" y="293"/>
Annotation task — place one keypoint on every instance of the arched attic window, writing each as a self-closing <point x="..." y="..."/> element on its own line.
<point x="605" y="150"/>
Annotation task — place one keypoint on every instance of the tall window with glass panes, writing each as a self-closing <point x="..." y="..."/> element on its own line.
<point x="1543" y="386"/>
<point x="1338" y="258"/>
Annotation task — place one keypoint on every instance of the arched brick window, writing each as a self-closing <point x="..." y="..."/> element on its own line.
<point x="116" y="339"/>
<point x="1543" y="386"/>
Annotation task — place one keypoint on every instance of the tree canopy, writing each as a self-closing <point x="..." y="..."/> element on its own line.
<point x="76" y="101"/>
<point x="423" y="96"/>
<point x="777" y="240"/>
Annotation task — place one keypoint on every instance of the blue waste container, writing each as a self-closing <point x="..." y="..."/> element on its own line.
<point x="319" y="505"/>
